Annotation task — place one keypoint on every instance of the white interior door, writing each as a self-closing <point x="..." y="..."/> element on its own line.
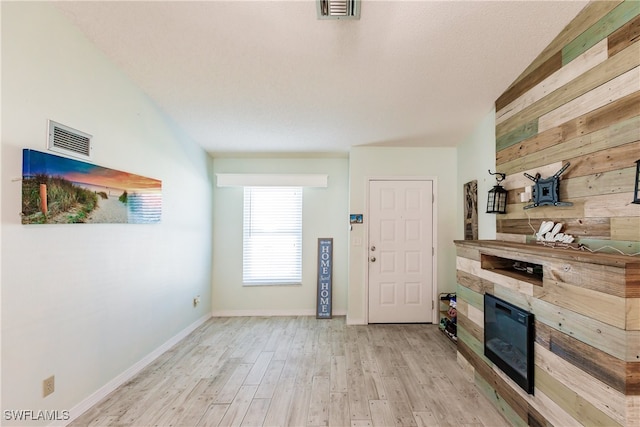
<point x="400" y="251"/>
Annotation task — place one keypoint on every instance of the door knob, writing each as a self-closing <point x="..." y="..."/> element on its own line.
<point x="373" y="259"/>
<point x="373" y="248"/>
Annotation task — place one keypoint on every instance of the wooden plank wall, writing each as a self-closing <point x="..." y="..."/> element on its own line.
<point x="587" y="333"/>
<point x="578" y="102"/>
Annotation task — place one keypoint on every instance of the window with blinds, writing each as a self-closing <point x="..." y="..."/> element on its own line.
<point x="272" y="236"/>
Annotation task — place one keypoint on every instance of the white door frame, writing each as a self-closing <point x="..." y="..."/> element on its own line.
<point x="367" y="201"/>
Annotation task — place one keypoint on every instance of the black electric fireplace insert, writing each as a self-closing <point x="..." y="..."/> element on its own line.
<point x="508" y="340"/>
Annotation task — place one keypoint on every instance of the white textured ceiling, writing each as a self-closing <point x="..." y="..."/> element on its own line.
<point x="268" y="76"/>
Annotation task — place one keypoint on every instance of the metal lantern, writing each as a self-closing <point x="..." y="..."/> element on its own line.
<point x="636" y="191"/>
<point x="497" y="200"/>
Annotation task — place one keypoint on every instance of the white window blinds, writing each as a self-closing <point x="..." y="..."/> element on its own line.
<point x="272" y="236"/>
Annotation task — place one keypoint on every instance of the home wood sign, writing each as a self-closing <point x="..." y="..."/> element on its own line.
<point x="325" y="276"/>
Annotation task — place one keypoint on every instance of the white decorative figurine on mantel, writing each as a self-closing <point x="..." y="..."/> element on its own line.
<point x="550" y="232"/>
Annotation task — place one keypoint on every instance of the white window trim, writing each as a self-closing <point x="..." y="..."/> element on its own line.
<point x="271" y="180"/>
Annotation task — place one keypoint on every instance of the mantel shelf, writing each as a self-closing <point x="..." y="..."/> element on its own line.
<point x="525" y="250"/>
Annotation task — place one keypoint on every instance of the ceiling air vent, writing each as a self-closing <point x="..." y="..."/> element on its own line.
<point x="338" y="9"/>
<point x="66" y="140"/>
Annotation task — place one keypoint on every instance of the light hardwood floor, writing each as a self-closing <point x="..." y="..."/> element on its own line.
<point x="300" y="371"/>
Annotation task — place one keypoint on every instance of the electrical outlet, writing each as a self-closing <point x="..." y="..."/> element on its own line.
<point x="48" y="386"/>
<point x="196" y="301"/>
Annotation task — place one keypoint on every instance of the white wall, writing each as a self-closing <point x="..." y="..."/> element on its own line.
<point x="324" y="215"/>
<point x="476" y="156"/>
<point x="87" y="302"/>
<point x="371" y="162"/>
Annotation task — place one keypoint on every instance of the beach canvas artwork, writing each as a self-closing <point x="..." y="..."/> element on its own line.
<point x="59" y="190"/>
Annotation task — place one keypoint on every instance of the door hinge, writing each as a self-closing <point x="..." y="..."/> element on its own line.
<point x="432" y="306"/>
<point x="433" y="251"/>
<point x="433" y="198"/>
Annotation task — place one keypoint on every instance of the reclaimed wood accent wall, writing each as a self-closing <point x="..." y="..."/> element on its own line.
<point x="578" y="102"/>
<point x="587" y="332"/>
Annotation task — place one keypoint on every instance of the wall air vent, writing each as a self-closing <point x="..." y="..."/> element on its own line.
<point x="338" y="9"/>
<point x="66" y="140"/>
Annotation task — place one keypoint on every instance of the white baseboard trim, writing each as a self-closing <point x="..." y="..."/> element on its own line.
<point x="270" y="313"/>
<point x="351" y="321"/>
<point x="103" y="391"/>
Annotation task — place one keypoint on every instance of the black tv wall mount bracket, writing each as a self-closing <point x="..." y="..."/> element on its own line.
<point x="546" y="191"/>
